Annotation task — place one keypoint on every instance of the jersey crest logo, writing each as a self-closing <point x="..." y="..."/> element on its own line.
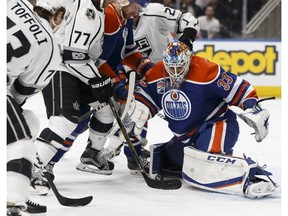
<point x="161" y="87"/>
<point x="144" y="46"/>
<point x="90" y="14"/>
<point x="176" y="105"/>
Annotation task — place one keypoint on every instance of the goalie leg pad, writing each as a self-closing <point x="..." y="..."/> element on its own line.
<point x="160" y="164"/>
<point x="224" y="174"/>
<point x="157" y="152"/>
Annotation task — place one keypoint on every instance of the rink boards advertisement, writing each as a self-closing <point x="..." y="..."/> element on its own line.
<point x="255" y="61"/>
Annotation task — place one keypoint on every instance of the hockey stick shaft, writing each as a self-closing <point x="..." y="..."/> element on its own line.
<point x="65" y="201"/>
<point x="88" y="114"/>
<point x="163" y="184"/>
<point x="131" y="87"/>
<point x="126" y="135"/>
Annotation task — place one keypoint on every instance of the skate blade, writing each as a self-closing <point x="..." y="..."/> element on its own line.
<point x="135" y="172"/>
<point x="39" y="190"/>
<point x="92" y="169"/>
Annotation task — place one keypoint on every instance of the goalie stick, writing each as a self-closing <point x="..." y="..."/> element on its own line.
<point x="169" y="184"/>
<point x="65" y="201"/>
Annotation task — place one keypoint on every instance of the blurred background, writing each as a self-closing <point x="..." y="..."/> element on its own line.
<point x="238" y="18"/>
<point x="247" y="42"/>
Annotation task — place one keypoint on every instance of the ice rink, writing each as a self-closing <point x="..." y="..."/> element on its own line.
<point x="123" y="194"/>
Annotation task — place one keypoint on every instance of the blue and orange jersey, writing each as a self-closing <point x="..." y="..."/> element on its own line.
<point x="205" y="94"/>
<point x="118" y="41"/>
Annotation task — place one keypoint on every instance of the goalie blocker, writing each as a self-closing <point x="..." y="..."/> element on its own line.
<point x="215" y="172"/>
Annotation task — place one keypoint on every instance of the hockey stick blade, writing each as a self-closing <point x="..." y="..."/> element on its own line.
<point x="169" y="184"/>
<point x="65" y="201"/>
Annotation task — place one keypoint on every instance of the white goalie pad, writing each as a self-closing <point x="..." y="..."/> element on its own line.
<point x="226" y="174"/>
<point x="215" y="172"/>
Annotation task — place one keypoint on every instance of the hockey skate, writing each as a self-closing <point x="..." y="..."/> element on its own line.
<point x="110" y="153"/>
<point x="259" y="188"/>
<point x="39" y="184"/>
<point x="133" y="167"/>
<point x="92" y="160"/>
<point x="145" y="153"/>
<point x="15" y="209"/>
<point x="34" y="208"/>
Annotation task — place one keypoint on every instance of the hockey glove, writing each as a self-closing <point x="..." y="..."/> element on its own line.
<point x="144" y="64"/>
<point x="257" y="118"/>
<point x="137" y="116"/>
<point x="120" y="91"/>
<point x="188" y="36"/>
<point x="101" y="88"/>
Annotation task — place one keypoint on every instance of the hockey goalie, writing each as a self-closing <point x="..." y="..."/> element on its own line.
<point x="195" y="95"/>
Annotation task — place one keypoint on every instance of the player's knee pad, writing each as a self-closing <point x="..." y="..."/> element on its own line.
<point x="21" y="166"/>
<point x="219" y="173"/>
<point x="24" y="148"/>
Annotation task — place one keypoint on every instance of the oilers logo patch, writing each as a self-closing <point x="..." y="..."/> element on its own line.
<point x="176" y="105"/>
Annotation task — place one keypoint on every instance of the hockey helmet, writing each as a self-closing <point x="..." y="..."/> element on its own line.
<point x="142" y="3"/>
<point x="176" y="59"/>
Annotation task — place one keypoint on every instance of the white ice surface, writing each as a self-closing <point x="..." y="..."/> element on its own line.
<point x="123" y="194"/>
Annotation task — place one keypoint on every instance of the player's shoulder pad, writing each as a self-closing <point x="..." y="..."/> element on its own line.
<point x="156" y="72"/>
<point x="154" y="8"/>
<point x="112" y="20"/>
<point x="202" y="70"/>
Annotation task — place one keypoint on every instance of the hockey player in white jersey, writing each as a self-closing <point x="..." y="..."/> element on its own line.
<point x="78" y="82"/>
<point x="153" y="28"/>
<point x="32" y="54"/>
<point x="152" y="33"/>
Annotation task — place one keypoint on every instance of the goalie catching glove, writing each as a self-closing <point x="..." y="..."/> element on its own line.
<point x="257" y="118"/>
<point x="136" y="118"/>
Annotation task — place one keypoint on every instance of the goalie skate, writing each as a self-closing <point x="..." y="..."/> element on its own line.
<point x="260" y="189"/>
<point x="133" y="167"/>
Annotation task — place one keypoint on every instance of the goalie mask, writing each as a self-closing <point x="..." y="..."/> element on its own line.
<point x="177" y="61"/>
